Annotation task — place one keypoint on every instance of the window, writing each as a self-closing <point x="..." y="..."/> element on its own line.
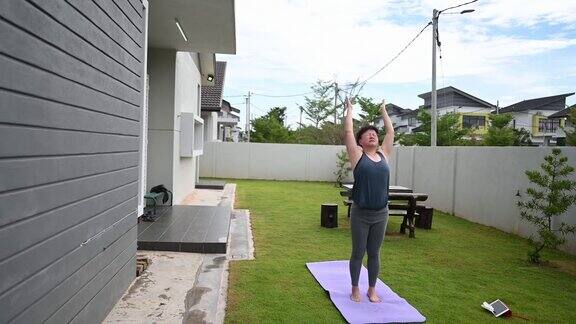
<point x="548" y="125"/>
<point x="191" y="135"/>
<point x="473" y="121"/>
<point x="412" y="121"/>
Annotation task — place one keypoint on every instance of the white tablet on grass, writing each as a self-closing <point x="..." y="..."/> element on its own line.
<point x="498" y="307"/>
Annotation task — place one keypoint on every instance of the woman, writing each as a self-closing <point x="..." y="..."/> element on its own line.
<point x="369" y="212"/>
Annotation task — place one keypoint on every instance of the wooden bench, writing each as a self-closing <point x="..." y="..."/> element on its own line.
<point x="404" y="204"/>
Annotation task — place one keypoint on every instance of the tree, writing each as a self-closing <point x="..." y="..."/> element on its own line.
<point x="556" y="193"/>
<point x="327" y="134"/>
<point x="320" y="106"/>
<point x="342" y="167"/>
<point x="571" y="134"/>
<point x="500" y="133"/>
<point x="522" y="137"/>
<point x="307" y="135"/>
<point x="370" y="110"/>
<point x="449" y="131"/>
<point x="331" y="134"/>
<point x="270" y="127"/>
<point x="278" y="113"/>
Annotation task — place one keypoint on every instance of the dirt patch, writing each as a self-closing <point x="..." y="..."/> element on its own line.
<point x="566" y="266"/>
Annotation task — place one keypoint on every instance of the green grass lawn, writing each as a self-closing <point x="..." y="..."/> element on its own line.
<point x="446" y="272"/>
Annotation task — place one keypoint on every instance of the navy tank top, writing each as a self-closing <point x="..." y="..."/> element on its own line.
<point x="371" y="181"/>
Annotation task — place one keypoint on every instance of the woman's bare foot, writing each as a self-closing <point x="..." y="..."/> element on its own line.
<point x="355" y="295"/>
<point x="374" y="298"/>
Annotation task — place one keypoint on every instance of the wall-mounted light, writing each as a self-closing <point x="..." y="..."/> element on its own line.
<point x="181" y="30"/>
<point x="210" y="77"/>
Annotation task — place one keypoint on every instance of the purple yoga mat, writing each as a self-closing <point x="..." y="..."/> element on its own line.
<point x="334" y="277"/>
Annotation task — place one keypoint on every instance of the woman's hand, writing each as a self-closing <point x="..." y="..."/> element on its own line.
<point x="383" y="108"/>
<point x="348" y="104"/>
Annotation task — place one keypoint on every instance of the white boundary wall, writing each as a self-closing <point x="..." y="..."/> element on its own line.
<point x="476" y="183"/>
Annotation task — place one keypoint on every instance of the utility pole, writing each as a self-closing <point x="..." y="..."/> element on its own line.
<point x="335" y="102"/>
<point x="248" y="117"/>
<point x="301" y="109"/>
<point x="497" y="107"/>
<point x="433" y="112"/>
<point x="433" y="115"/>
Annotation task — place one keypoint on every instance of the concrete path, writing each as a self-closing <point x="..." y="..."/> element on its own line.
<point x="158" y="295"/>
<point x="187" y="287"/>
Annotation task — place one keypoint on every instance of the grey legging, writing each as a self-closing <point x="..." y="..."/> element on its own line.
<point x="368" y="228"/>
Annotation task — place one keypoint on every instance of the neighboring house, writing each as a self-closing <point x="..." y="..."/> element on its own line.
<point x="562" y="115"/>
<point x="212" y="103"/>
<point x="219" y="121"/>
<point x="533" y="114"/>
<point x="237" y="134"/>
<point x="228" y="122"/>
<point x="473" y="111"/>
<point x="100" y="100"/>
<point x="407" y="121"/>
<point x="403" y="120"/>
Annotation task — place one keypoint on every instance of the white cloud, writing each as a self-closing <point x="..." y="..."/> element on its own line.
<point x="507" y="13"/>
<point x="528" y="12"/>
<point x="300" y="41"/>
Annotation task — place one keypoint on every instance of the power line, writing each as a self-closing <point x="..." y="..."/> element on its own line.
<point x="291" y="95"/>
<point x="363" y="83"/>
<point x="352" y="86"/>
<point x="460" y="5"/>
<point x="282" y="96"/>
<point x="258" y="108"/>
<point x="234" y="96"/>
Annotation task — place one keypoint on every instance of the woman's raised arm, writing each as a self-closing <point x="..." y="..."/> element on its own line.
<point x="388" y="142"/>
<point x="354" y="151"/>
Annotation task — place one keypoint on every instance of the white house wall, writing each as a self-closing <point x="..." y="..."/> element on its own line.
<point x="161" y="149"/>
<point x="186" y="99"/>
<point x="463" y="110"/>
<point x="524" y="120"/>
<point x="210" y="125"/>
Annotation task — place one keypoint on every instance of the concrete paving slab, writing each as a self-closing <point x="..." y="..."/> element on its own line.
<point x="241" y="242"/>
<point x="188" y="287"/>
<point x="159" y="295"/>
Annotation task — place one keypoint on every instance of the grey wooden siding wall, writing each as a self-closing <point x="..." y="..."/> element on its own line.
<point x="70" y="106"/>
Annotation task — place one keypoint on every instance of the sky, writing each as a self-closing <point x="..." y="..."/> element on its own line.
<point x="504" y="52"/>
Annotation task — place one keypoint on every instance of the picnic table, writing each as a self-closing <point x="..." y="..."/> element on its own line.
<point x="397" y="195"/>
<point x="349" y="186"/>
<point x="410" y="208"/>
